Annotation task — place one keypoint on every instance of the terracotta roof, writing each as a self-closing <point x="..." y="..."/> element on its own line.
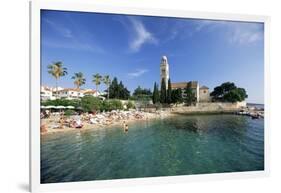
<point x="69" y="89"/>
<point x="204" y="87"/>
<point x="182" y="85"/>
<point x="90" y="92"/>
<point x="177" y="85"/>
<point x="192" y="84"/>
<point x="45" y="88"/>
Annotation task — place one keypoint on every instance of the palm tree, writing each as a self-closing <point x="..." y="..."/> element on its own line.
<point x="97" y="80"/>
<point x="79" y="79"/>
<point x="106" y="80"/>
<point x="57" y="70"/>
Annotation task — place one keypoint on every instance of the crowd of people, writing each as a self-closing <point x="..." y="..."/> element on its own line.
<point x="79" y="120"/>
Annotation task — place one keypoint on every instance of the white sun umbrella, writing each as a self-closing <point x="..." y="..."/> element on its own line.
<point x="50" y="107"/>
<point x="70" y="107"/>
<point x="60" y="107"/>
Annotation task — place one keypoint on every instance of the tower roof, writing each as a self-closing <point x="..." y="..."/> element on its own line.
<point x="164" y="60"/>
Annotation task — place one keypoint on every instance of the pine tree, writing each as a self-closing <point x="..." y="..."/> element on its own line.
<point x="114" y="89"/>
<point x="177" y="96"/>
<point x="169" y="92"/>
<point x="155" y="95"/>
<point x="190" y="96"/>
<point x="163" y="93"/>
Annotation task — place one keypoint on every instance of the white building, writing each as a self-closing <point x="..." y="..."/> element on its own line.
<point x="46" y="93"/>
<point x="49" y="93"/>
<point x="69" y="93"/>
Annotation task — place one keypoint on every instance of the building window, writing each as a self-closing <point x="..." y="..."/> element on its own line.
<point x="204" y="92"/>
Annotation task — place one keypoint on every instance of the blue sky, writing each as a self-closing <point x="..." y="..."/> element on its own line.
<point x="130" y="48"/>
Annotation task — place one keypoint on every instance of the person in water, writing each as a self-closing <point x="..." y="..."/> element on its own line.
<point x="126" y="128"/>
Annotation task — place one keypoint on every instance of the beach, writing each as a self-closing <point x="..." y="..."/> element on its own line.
<point x="53" y="124"/>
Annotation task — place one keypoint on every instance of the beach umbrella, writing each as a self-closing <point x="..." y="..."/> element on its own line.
<point x="50" y="107"/>
<point x="60" y="107"/>
<point x="70" y="107"/>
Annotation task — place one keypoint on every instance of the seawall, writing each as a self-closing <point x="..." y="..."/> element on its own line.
<point x="214" y="107"/>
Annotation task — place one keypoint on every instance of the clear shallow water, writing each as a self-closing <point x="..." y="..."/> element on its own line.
<point x="180" y="145"/>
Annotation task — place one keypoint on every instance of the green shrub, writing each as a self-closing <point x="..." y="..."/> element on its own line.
<point x="91" y="104"/>
<point x="109" y="105"/>
<point x="130" y="105"/>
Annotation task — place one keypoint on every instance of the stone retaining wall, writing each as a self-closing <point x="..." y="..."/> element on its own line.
<point x="214" y="107"/>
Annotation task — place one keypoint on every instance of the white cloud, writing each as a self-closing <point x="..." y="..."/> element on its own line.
<point x="245" y="34"/>
<point x="73" y="45"/>
<point x="231" y="31"/>
<point x="235" y="32"/>
<point x="141" y="35"/>
<point x="65" y="32"/>
<point x="74" y="42"/>
<point x="137" y="73"/>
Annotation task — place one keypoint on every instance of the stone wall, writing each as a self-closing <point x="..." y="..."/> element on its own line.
<point x="214" y="107"/>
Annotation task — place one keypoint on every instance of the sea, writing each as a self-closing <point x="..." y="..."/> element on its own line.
<point x="179" y="145"/>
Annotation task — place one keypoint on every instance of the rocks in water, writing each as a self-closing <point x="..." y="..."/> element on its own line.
<point x="252" y="112"/>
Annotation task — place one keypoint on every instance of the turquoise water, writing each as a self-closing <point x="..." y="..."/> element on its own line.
<point x="181" y="145"/>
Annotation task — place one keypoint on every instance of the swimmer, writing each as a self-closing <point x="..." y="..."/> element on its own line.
<point x="126" y="128"/>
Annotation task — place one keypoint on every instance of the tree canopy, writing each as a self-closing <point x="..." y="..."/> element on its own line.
<point x="176" y="96"/>
<point x="190" y="96"/>
<point x="142" y="91"/>
<point x="228" y="92"/>
<point x="79" y="79"/>
<point x="118" y="90"/>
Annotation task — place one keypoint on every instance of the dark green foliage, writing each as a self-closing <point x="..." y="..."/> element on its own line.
<point x="228" y="92"/>
<point x="169" y="92"/>
<point x="176" y="96"/>
<point x="142" y="91"/>
<point x="118" y="91"/>
<point x="124" y="93"/>
<point x="109" y="105"/>
<point x="163" y="92"/>
<point x="141" y="94"/>
<point x="235" y="95"/>
<point x="190" y="96"/>
<point x="155" y="95"/>
<point x="91" y="103"/>
<point x="114" y="89"/>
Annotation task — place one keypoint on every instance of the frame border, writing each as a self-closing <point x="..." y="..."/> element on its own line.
<point x="34" y="99"/>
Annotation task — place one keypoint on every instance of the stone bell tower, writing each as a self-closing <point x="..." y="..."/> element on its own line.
<point x="164" y="70"/>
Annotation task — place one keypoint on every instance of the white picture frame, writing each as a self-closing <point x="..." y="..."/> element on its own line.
<point x="36" y="6"/>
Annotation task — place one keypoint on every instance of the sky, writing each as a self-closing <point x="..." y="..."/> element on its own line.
<point x="130" y="48"/>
